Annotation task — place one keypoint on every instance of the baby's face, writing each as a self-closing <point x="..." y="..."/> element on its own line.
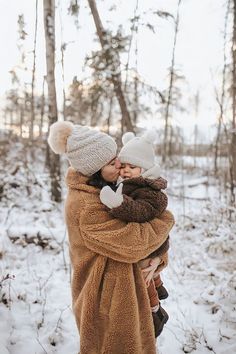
<point x="129" y="171"/>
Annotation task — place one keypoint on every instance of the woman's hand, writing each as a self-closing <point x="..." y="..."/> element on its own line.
<point x="149" y="271"/>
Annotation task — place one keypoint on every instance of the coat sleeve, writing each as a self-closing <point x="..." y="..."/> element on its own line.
<point x="123" y="242"/>
<point x="151" y="205"/>
<point x="161" y="250"/>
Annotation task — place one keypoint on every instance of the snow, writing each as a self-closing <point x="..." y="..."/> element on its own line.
<point x="193" y="182"/>
<point x="201" y="274"/>
<point x="35" y="299"/>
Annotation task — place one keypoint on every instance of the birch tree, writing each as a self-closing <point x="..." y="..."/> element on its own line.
<point x="104" y="39"/>
<point x="49" y="29"/>
<point x="233" y="130"/>
<point x="167" y="129"/>
<point x="32" y="113"/>
<point x="42" y="108"/>
<point x="220" y="98"/>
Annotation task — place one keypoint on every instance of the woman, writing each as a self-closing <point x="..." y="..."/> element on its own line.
<point x="109" y="294"/>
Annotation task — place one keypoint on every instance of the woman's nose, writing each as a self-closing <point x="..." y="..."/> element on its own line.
<point x="117" y="164"/>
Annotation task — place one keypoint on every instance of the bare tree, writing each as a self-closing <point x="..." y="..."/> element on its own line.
<point x="63" y="48"/>
<point x="196" y="107"/>
<point x="109" y="115"/>
<point x="221" y="98"/>
<point x="32" y="104"/>
<point x="136" y="81"/>
<point x="49" y="29"/>
<point x="134" y="31"/>
<point x="16" y="82"/>
<point x="116" y="74"/>
<point x="233" y="136"/>
<point x="42" y="108"/>
<point x="169" y="95"/>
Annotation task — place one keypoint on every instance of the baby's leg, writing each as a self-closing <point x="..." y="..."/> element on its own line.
<point x="152" y="291"/>
<point x="157" y="280"/>
<point x="153" y="296"/>
<point x="162" y="292"/>
<point x="159" y="315"/>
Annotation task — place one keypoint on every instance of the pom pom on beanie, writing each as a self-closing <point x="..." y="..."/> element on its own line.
<point x="58" y="135"/>
<point x="127" y="137"/>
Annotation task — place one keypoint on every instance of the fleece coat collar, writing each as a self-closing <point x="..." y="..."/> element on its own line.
<point x="140" y="182"/>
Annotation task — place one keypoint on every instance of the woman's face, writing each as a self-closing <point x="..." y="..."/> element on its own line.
<point x="110" y="172"/>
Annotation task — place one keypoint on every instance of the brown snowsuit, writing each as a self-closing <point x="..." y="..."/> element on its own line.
<point x="143" y="201"/>
<point x="109" y="295"/>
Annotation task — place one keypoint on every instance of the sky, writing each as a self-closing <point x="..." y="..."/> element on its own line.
<point x="199" y="52"/>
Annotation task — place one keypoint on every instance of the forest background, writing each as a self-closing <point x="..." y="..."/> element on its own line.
<point x="118" y="66"/>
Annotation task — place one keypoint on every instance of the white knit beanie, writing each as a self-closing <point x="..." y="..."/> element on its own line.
<point x="138" y="151"/>
<point x="87" y="149"/>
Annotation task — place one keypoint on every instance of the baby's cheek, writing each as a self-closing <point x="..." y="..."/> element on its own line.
<point x="121" y="172"/>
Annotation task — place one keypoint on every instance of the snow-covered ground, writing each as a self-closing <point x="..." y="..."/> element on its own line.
<point x="201" y="276"/>
<point x="35" y="301"/>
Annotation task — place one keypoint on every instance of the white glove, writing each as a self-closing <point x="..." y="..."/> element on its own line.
<point x="110" y="198"/>
<point x="152" y="173"/>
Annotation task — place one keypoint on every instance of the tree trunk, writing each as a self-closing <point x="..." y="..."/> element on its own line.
<point x="216" y="152"/>
<point x="221" y="100"/>
<point x="170" y="153"/>
<point x="49" y="28"/>
<point x="32" y="112"/>
<point x="196" y="106"/>
<point x="136" y="96"/>
<point x="233" y="138"/>
<point x="109" y="115"/>
<point x="169" y="96"/>
<point x="134" y="30"/>
<point x="63" y="80"/>
<point x="42" y="109"/>
<point x="116" y="77"/>
<point x="11" y="119"/>
<point x="5" y="119"/>
<point x="63" y="48"/>
<point x="21" y="120"/>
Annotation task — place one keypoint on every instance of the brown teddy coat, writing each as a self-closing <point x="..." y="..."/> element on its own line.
<point x="109" y="295"/>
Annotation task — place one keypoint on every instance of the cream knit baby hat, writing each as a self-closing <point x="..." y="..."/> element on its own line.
<point x="87" y="149"/>
<point x="138" y="151"/>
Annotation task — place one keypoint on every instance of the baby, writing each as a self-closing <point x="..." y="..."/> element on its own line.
<point x="141" y="200"/>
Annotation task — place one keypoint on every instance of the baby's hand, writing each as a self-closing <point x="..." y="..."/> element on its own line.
<point x="110" y="198"/>
<point x="150" y="270"/>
